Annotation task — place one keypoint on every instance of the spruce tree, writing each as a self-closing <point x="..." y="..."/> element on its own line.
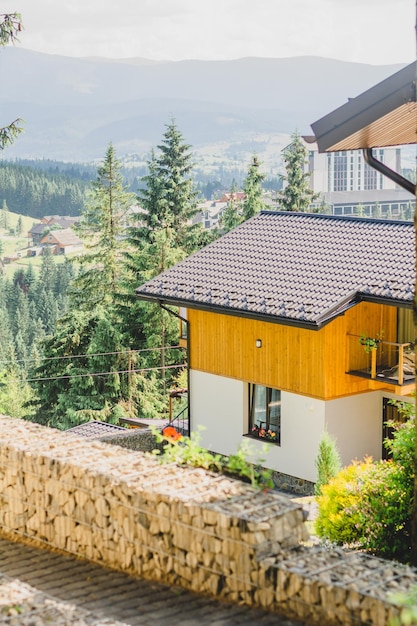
<point x="232" y="214"/>
<point x="252" y="188"/>
<point x="297" y="194"/>
<point x="10" y="27"/>
<point x="103" y="228"/>
<point x="169" y="197"/>
<point x="86" y="374"/>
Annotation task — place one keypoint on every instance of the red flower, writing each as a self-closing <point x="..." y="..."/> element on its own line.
<point x="171" y="433"/>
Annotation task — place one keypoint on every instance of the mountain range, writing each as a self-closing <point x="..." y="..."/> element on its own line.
<point x="73" y="107"/>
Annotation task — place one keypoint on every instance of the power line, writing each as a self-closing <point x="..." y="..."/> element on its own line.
<point x="70" y="376"/>
<point x="94" y="354"/>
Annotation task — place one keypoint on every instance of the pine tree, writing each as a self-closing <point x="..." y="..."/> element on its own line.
<point x="328" y="462"/>
<point x="103" y="229"/>
<point x="232" y="214"/>
<point x="297" y="194"/>
<point x="4" y="221"/>
<point x="85" y="375"/>
<point x="19" y="226"/>
<point x="252" y="188"/>
<point x="10" y="27"/>
<point x="170" y="198"/>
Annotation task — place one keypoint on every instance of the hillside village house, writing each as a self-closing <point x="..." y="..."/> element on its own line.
<point x="301" y="323"/>
<point x="62" y="241"/>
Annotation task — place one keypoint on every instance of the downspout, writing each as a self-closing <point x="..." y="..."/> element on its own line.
<point x="388" y="172"/>
<point x="187" y="323"/>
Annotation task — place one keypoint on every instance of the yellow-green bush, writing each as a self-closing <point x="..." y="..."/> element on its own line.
<point x="369" y="504"/>
<point x="339" y="516"/>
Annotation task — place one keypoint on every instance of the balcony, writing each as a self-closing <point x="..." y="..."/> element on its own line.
<point x="386" y="362"/>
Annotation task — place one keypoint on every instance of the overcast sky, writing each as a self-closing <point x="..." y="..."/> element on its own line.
<point x="365" y="31"/>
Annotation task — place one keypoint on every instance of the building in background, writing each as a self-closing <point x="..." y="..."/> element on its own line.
<point x="349" y="186"/>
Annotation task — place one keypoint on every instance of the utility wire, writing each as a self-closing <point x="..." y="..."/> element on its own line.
<point x="79" y="356"/>
<point x="70" y="376"/>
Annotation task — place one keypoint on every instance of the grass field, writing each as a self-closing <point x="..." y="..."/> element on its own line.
<point x="12" y="245"/>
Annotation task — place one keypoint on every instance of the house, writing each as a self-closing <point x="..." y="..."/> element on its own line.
<point x="277" y="313"/>
<point x="36" y="233"/>
<point x="62" y="241"/>
<point x="64" y="221"/>
<point x="301" y="323"/>
<point x="349" y="186"/>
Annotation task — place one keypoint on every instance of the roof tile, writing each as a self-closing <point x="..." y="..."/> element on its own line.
<point x="294" y="267"/>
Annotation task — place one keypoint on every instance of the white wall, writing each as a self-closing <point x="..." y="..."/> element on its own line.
<point x="356" y="424"/>
<point x="221" y="406"/>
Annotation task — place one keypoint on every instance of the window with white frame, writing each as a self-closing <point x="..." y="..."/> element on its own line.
<point x="265" y="413"/>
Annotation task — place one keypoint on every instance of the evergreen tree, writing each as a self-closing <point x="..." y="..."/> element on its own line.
<point x="85" y="375"/>
<point x="377" y="210"/>
<point x="409" y="211"/>
<point x="232" y="214"/>
<point x="297" y="194"/>
<point x="19" y="226"/>
<point x="10" y="26"/>
<point x="252" y="188"/>
<point x="360" y="211"/>
<point x="103" y="230"/>
<point x="327" y="463"/>
<point x="169" y="197"/>
<point x="4" y="221"/>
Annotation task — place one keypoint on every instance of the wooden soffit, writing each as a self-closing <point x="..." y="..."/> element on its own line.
<point x="385" y="115"/>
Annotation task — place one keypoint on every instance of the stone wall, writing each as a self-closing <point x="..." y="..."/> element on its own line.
<point x="183" y="526"/>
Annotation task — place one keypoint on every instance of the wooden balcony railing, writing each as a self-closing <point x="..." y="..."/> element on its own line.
<point x="388" y="361"/>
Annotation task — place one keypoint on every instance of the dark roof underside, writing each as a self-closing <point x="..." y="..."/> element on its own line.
<point x="385" y="115"/>
<point x="294" y="268"/>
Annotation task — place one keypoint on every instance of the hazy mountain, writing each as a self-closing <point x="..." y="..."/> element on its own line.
<point x="73" y="107"/>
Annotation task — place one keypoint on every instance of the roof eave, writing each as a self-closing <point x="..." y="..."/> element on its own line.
<point x="384" y="115"/>
<point x="224" y="310"/>
<point x="340" y="309"/>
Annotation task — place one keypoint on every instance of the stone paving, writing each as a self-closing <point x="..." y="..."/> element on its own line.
<point x="39" y="588"/>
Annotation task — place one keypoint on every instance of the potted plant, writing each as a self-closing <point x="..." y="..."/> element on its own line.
<point x="371" y="343"/>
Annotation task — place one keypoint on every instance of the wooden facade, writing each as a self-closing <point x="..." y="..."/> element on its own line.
<point x="307" y="362"/>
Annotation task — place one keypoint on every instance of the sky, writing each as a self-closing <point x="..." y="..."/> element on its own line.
<point x="378" y="32"/>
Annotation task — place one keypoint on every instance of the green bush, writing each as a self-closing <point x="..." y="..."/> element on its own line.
<point x="370" y="504"/>
<point x="386" y="505"/>
<point x="327" y="463"/>
<point x="176" y="448"/>
<point x="339" y="517"/>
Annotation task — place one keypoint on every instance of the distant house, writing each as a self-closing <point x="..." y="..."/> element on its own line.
<point x="281" y="312"/>
<point x="62" y="241"/>
<point x="209" y="213"/>
<point x="36" y="233"/>
<point x="65" y="221"/>
<point x="236" y="196"/>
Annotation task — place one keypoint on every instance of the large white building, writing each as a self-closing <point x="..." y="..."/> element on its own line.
<point x="349" y="186"/>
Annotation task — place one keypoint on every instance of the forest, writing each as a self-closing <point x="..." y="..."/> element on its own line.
<point x="45" y="187"/>
<point x="76" y="344"/>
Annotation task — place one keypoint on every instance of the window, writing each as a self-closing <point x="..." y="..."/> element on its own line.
<point x="265" y="413"/>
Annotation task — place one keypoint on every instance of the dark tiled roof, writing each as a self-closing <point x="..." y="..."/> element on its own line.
<point x="95" y="429"/>
<point x="294" y="268"/>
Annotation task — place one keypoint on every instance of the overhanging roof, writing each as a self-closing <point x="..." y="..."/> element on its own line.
<point x="385" y="115"/>
<point x="294" y="268"/>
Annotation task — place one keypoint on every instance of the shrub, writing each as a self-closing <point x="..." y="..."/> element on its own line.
<point x="386" y="505"/>
<point x="327" y="463"/>
<point x="187" y="451"/>
<point x="339" y="518"/>
<point x="370" y="504"/>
